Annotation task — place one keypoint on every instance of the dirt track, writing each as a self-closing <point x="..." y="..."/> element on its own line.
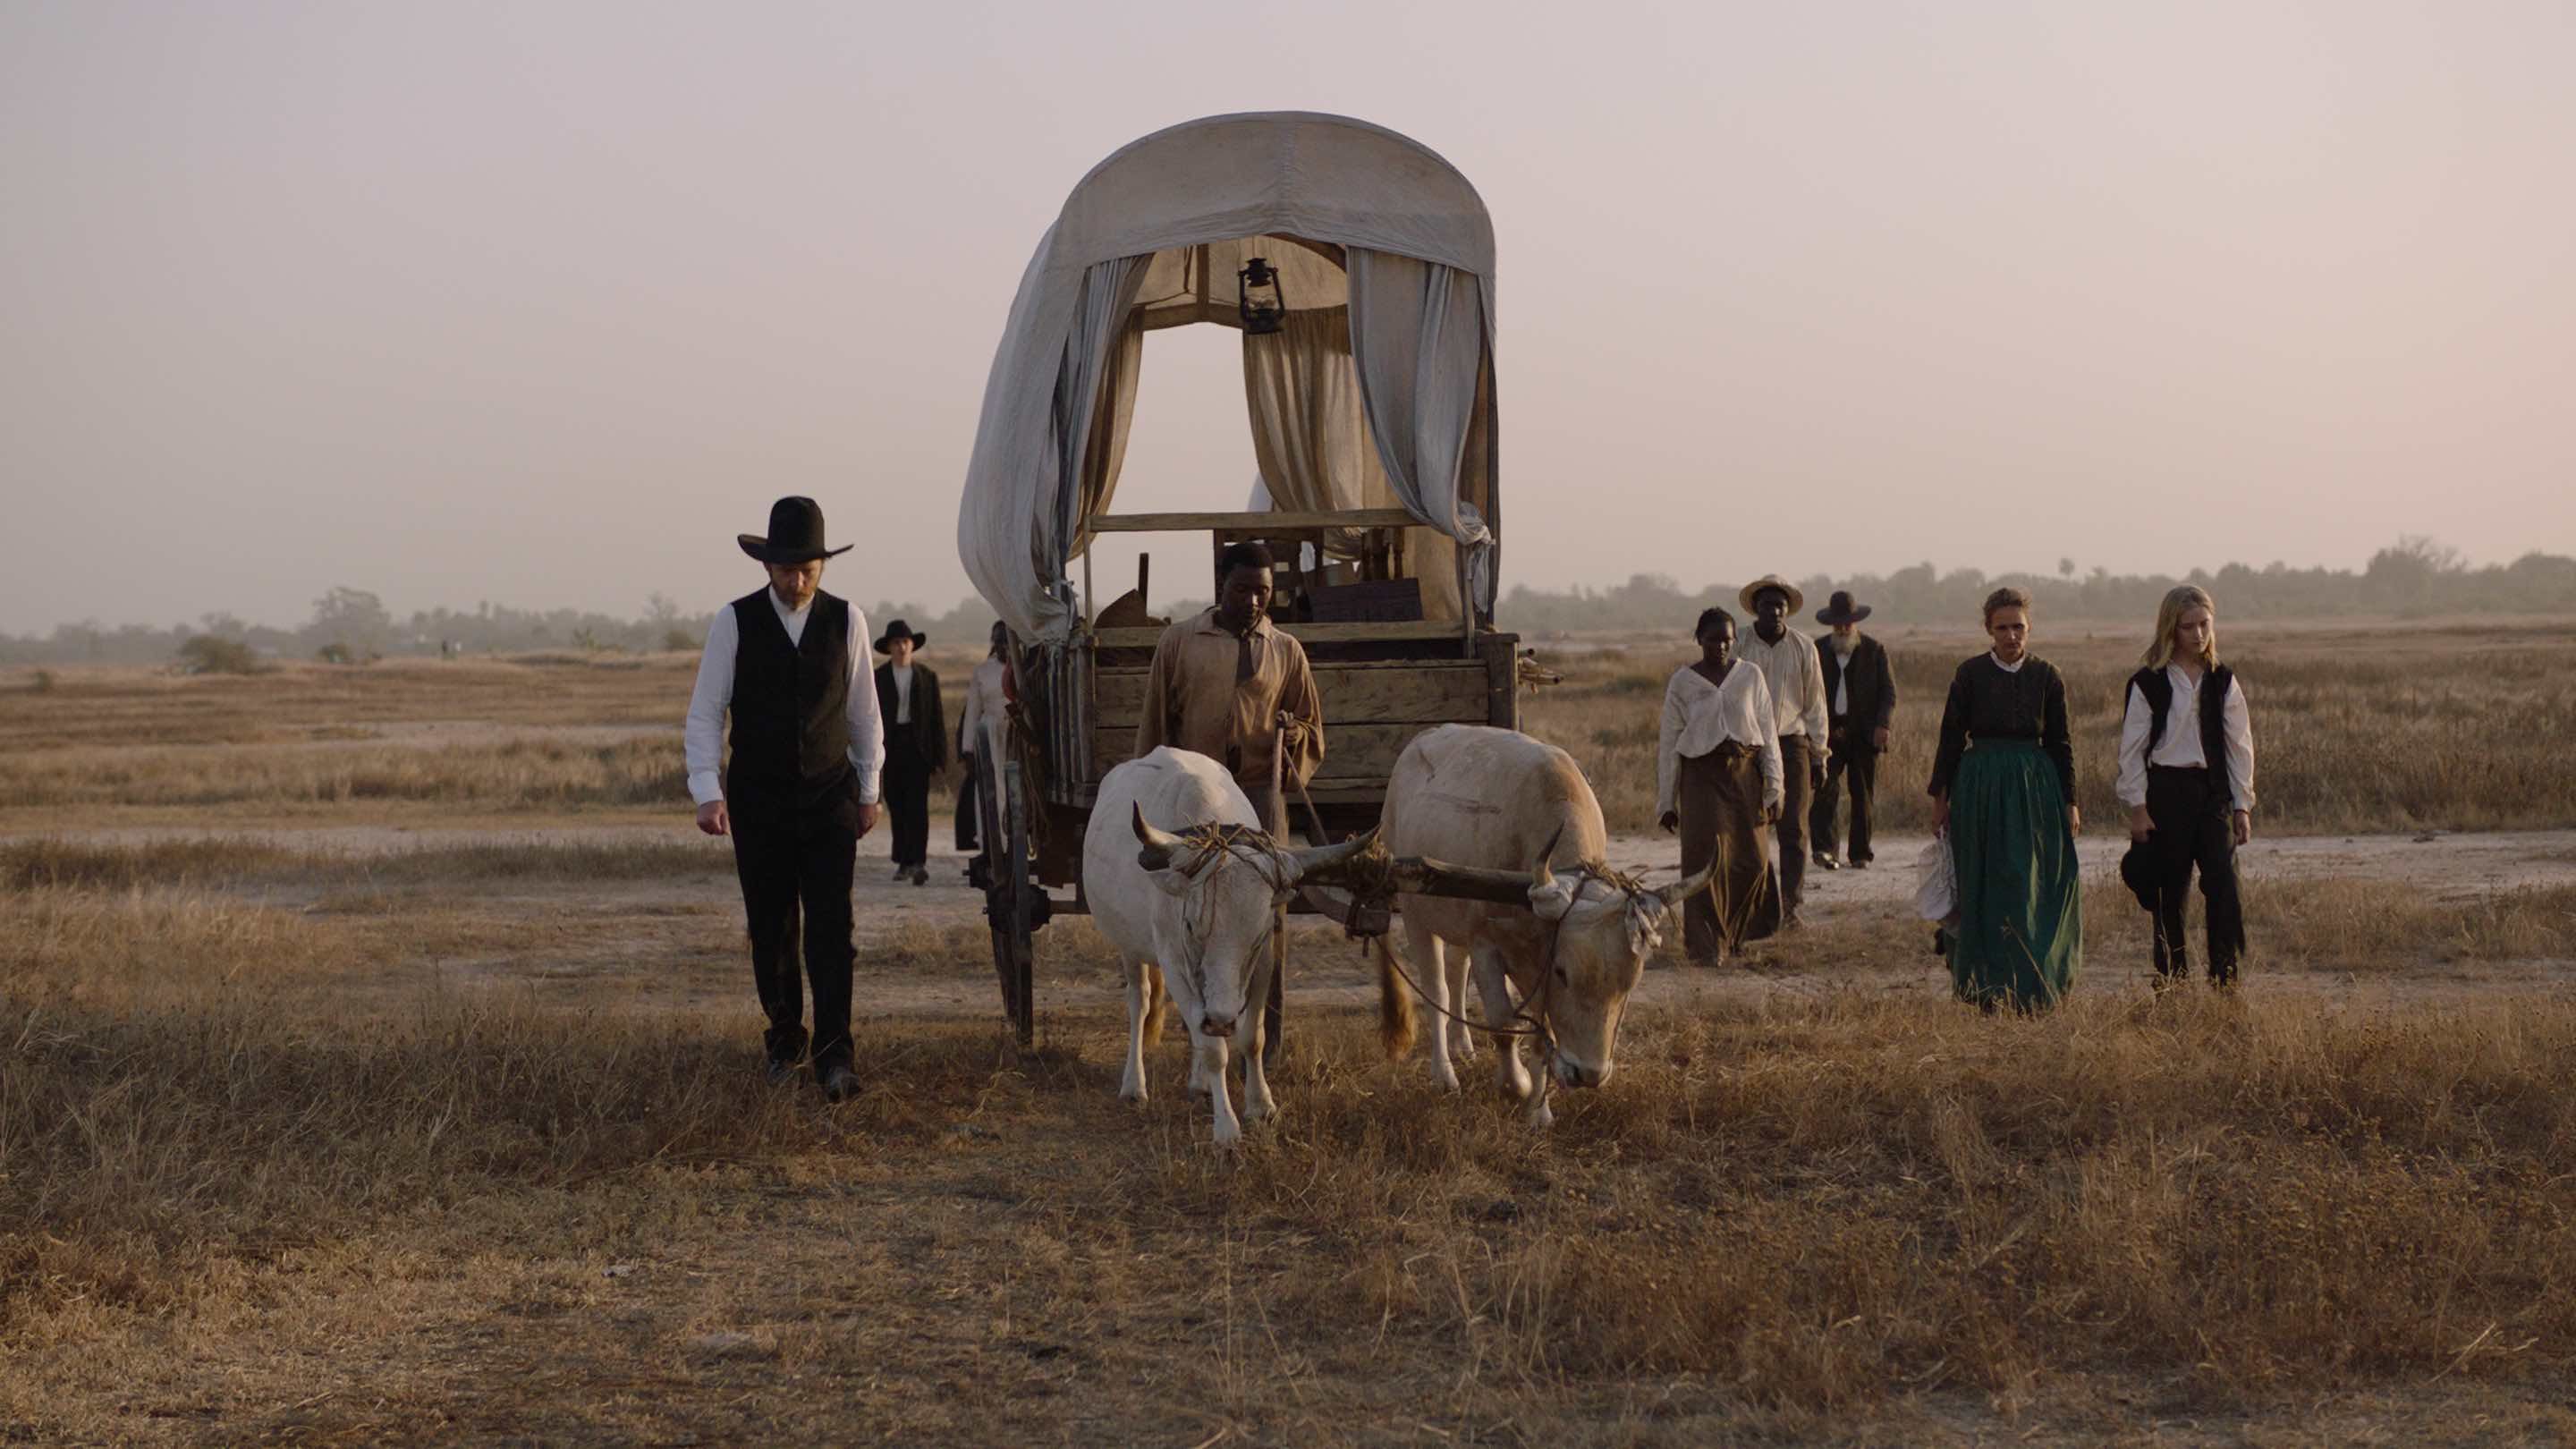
<point x="677" y="941"/>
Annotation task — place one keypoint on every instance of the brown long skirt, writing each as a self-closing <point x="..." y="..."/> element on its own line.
<point x="1719" y="797"/>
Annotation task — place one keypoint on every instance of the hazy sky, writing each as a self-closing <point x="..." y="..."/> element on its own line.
<point x="543" y="302"/>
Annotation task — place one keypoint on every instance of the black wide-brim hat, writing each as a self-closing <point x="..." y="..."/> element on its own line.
<point x="1839" y="610"/>
<point x="896" y="630"/>
<point x="2138" y="873"/>
<point x="795" y="534"/>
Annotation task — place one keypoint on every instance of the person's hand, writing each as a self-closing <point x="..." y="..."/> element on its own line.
<point x="1878" y="738"/>
<point x="1771" y="813"/>
<point x="1671" y="821"/>
<point x="867" y="817"/>
<point x="2141" y="824"/>
<point x="1816" y="776"/>
<point x="2244" y="826"/>
<point x="714" y="819"/>
<point x="1940" y="813"/>
<point x="2074" y="821"/>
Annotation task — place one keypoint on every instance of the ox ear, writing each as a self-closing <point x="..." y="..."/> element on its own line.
<point x="1160" y="846"/>
<point x="1681" y="890"/>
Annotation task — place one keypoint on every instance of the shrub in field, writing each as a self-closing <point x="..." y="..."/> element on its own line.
<point x="215" y="654"/>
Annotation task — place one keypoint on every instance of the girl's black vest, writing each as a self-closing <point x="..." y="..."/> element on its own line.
<point x="791" y="713"/>
<point x="2158" y="692"/>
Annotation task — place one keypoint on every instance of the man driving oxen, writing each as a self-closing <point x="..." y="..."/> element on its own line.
<point x="1228" y="685"/>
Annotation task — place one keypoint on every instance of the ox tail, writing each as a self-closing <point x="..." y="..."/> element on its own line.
<point x="1395" y="1019"/>
<point x="1158" y="1001"/>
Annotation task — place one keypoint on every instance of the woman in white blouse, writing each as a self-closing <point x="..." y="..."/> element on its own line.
<point x="1717" y="781"/>
<point x="2187" y="776"/>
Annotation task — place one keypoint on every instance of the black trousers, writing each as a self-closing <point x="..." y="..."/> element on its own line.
<point x="966" y="804"/>
<point x="796" y="877"/>
<point x="2189" y="826"/>
<point x="1854" y="759"/>
<point x="907" y="795"/>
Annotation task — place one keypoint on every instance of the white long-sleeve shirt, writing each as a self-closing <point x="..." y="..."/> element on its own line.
<point x="984" y="701"/>
<point x="702" y="740"/>
<point x="1700" y="716"/>
<point x="2180" y="745"/>
<point x="1797" y="680"/>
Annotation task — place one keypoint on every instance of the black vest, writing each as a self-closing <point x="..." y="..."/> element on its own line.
<point x="791" y="712"/>
<point x="2214" y="685"/>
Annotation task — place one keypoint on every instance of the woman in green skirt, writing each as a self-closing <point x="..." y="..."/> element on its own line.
<point x="2003" y="787"/>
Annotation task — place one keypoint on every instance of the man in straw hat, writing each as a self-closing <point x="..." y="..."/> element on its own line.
<point x="1789" y="666"/>
<point x="801" y="786"/>
<point x="1860" y="694"/>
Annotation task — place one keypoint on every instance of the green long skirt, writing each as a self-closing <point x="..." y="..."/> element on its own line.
<point x="2021" y="901"/>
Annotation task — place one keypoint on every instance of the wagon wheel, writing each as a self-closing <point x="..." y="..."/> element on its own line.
<point x="1003" y="814"/>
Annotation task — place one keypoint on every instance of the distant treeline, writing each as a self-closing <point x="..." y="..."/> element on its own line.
<point x="352" y="625"/>
<point x="2413" y="577"/>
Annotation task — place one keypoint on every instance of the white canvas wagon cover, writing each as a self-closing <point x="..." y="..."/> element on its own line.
<point x="1378" y="392"/>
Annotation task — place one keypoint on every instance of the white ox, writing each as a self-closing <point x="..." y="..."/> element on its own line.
<point x="1190" y="913"/>
<point x="1494" y="814"/>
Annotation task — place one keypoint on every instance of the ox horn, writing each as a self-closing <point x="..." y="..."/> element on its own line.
<point x="1160" y="846"/>
<point x="1541" y="876"/>
<point x="1681" y="890"/>
<point x="1423" y="876"/>
<point x="1326" y="864"/>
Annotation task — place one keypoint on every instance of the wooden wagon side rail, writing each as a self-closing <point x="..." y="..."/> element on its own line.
<point x="1262" y="522"/>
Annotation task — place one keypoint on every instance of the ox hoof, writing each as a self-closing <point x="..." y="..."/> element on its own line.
<point x="1131" y="1092"/>
<point x="1541" y="1116"/>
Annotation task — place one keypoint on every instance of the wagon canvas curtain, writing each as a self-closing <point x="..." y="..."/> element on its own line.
<point x="1418" y="332"/>
<point x="1095" y="397"/>
<point x="1310" y="437"/>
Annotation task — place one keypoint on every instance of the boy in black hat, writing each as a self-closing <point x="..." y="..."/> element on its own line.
<point x="1860" y="705"/>
<point x="801" y="786"/>
<point x="916" y="745"/>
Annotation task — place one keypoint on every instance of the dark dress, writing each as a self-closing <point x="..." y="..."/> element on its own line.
<point x="2009" y="769"/>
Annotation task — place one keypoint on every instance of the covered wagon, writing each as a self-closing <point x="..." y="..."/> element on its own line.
<point x="1359" y="268"/>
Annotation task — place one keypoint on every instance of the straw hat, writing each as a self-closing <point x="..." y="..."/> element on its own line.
<point x="1797" y="600"/>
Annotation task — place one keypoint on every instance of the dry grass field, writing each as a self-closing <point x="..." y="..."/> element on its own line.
<point x="377" y="1064"/>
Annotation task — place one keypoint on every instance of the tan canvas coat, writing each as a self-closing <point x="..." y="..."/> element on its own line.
<point x="1198" y="697"/>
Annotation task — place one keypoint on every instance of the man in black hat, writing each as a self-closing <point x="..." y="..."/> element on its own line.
<point x="801" y="786"/>
<point x="916" y="745"/>
<point x="1860" y="694"/>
